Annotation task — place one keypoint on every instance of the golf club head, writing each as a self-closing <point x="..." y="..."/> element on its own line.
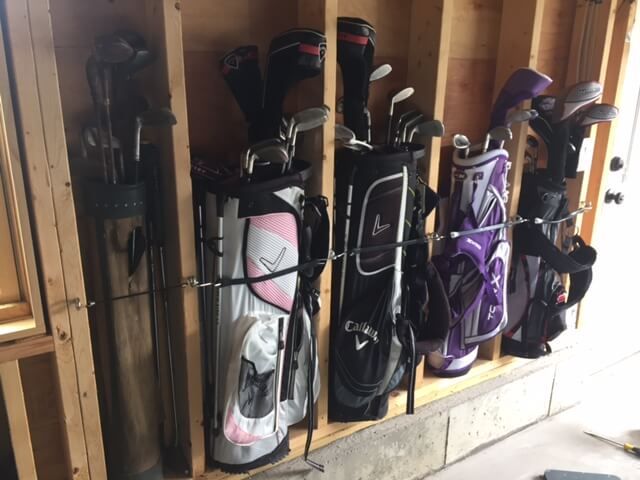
<point x="598" y="113"/>
<point x="431" y="128"/>
<point x="406" y="122"/>
<point x="310" y="118"/>
<point x="500" y="134"/>
<point x="574" y="98"/>
<point x="380" y="72"/>
<point x="160" y="117"/>
<point x="113" y="49"/>
<point x="401" y="95"/>
<point x="461" y="142"/>
<point x="344" y="134"/>
<point x="520" y="116"/>
<point x="90" y="137"/>
<point x="544" y="104"/>
<point x="271" y="154"/>
<point x="523" y="84"/>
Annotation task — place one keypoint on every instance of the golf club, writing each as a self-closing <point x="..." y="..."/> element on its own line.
<point x="402" y="120"/>
<point x="573" y="99"/>
<point x="409" y="125"/>
<point x="111" y="50"/>
<point x="271" y="150"/>
<point x="304" y="120"/>
<point x="162" y="117"/>
<point x="520" y="116"/>
<point x="380" y="72"/>
<point x="97" y="98"/>
<point x="398" y="97"/>
<point x="91" y="138"/>
<point x="431" y="128"/>
<point x="348" y="138"/>
<point x="461" y="143"/>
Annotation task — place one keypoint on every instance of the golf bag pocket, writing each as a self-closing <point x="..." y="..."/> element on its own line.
<point x="271" y="245"/>
<point x="253" y="379"/>
<point x="366" y="337"/>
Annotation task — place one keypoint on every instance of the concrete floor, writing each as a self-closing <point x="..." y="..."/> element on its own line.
<point x="610" y="408"/>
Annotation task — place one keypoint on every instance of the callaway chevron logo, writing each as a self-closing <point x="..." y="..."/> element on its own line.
<point x="363" y="328"/>
<point x="377" y="228"/>
<point x="272" y="266"/>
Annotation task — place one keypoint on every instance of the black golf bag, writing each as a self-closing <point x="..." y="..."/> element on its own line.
<point x="379" y="224"/>
<point x="261" y="368"/>
<point x="537" y="298"/>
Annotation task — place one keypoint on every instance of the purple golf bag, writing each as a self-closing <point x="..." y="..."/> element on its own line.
<point x="474" y="262"/>
<point x="380" y="282"/>
<point x="260" y="345"/>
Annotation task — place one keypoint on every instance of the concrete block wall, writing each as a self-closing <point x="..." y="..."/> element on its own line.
<point x="445" y="431"/>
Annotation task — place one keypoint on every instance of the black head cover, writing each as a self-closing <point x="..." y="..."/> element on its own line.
<point x="356" y="48"/>
<point x="113" y="49"/>
<point x="142" y="56"/>
<point x="294" y="55"/>
<point x="241" y="72"/>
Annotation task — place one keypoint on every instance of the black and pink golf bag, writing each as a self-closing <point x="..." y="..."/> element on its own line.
<point x="538" y="299"/>
<point x="264" y="241"/>
<point x="474" y="262"/>
<point x="379" y="226"/>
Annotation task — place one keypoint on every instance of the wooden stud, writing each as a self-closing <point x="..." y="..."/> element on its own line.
<point x="43" y="176"/>
<point x="320" y="151"/>
<point x="427" y="69"/>
<point x="28" y="347"/>
<point x="166" y="31"/>
<point x="520" y="30"/>
<point x="18" y="421"/>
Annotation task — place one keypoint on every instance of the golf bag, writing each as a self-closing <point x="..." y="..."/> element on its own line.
<point x="373" y="342"/>
<point x="474" y="265"/>
<point x="260" y="344"/>
<point x="122" y="336"/>
<point x="537" y="297"/>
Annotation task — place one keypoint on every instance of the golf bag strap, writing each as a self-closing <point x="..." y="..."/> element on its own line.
<point x="577" y="263"/>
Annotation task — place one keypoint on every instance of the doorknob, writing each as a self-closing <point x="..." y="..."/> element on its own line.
<point x="617" y="197"/>
<point x="616" y="164"/>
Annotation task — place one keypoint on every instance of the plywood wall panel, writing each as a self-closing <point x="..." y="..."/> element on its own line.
<point x="555" y="41"/>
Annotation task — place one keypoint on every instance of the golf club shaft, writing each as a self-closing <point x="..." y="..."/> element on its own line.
<point x="165" y="311"/>
<point x="106" y="78"/>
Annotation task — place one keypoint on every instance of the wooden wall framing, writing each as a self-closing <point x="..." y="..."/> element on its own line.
<point x="457" y="53"/>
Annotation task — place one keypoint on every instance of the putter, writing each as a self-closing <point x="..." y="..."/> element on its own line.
<point x="573" y="99"/>
<point x="109" y="51"/>
<point x="523" y="84"/>
<point x="461" y="143"/>
<point x="430" y="129"/>
<point x="162" y="117"/>
<point x="398" y="97"/>
<point x="348" y="138"/>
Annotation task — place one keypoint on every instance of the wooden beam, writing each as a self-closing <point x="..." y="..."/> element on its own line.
<point x="46" y="172"/>
<point x="613" y="90"/>
<point x="169" y="82"/>
<point x="18" y="420"/>
<point x="427" y="69"/>
<point x="319" y="150"/>
<point x="29" y="347"/>
<point x="520" y="31"/>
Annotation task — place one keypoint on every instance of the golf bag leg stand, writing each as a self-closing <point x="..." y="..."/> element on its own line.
<point x="122" y="333"/>
<point x="474" y="266"/>
<point x="259" y="340"/>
